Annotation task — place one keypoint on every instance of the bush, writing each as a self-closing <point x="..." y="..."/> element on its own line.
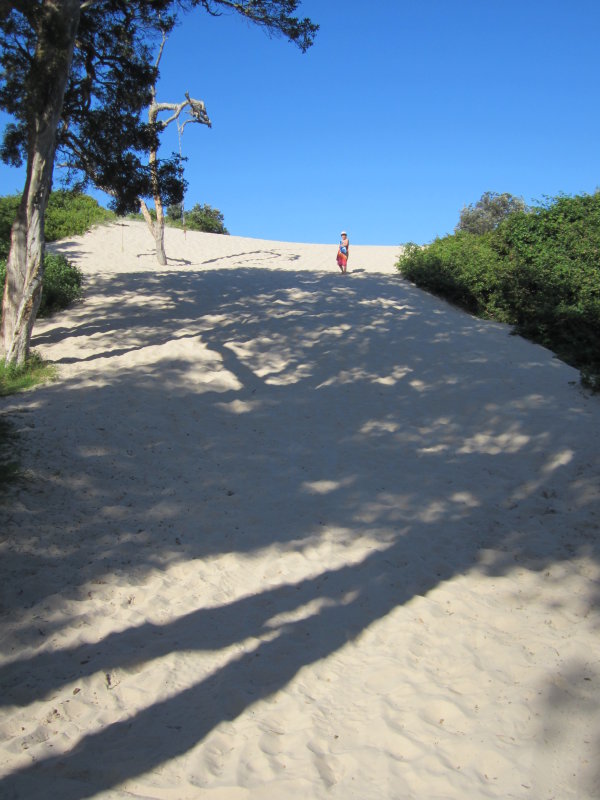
<point x="199" y="218"/>
<point x="8" y="211"/>
<point x="556" y="288"/>
<point x="175" y="213"/>
<point x="539" y="271"/>
<point x="72" y="214"/>
<point x="61" y="286"/>
<point x="67" y="214"/>
<point x="488" y="212"/>
<point x="464" y="269"/>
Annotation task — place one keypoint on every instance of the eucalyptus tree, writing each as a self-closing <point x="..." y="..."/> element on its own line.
<point x="75" y="75"/>
<point x="182" y="113"/>
<point x="488" y="212"/>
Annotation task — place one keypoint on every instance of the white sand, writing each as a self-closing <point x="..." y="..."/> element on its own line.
<point x="291" y="534"/>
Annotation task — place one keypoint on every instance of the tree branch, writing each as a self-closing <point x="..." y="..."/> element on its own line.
<point x="196" y="111"/>
<point x="160" y="49"/>
<point x="273" y="15"/>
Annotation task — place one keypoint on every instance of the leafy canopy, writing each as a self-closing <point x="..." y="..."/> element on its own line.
<point x="62" y="284"/>
<point x="488" y="212"/>
<point x="538" y="271"/>
<point x="199" y="218"/>
<point x="68" y="214"/>
<point x="101" y="136"/>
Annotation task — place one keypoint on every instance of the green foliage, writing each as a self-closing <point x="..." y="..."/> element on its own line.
<point x="8" y="212"/>
<point x="68" y="214"/>
<point x="463" y="268"/>
<point x="555" y="293"/>
<point x="205" y="218"/>
<point x="199" y="218"/>
<point x="101" y="136"/>
<point x="174" y="212"/>
<point x="137" y="216"/>
<point x="71" y="214"/>
<point x="61" y="285"/>
<point x="32" y="372"/>
<point x="539" y="271"/>
<point x="488" y="212"/>
<point x="17" y="378"/>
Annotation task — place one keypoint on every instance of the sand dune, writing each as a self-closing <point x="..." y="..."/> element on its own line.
<point x="285" y="533"/>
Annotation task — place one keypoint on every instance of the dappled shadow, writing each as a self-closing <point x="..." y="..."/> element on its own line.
<point x="351" y="598"/>
<point x="264" y="256"/>
<point x="366" y="408"/>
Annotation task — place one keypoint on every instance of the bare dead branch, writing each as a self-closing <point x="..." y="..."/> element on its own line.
<point x="196" y="110"/>
<point x="160" y="49"/>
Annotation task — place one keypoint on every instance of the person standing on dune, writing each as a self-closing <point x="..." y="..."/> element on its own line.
<point x="343" y="252"/>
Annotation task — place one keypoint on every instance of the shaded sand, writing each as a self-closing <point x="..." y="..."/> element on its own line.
<point x="290" y="534"/>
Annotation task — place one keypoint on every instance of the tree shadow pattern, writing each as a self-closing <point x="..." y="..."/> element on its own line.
<point x="422" y="455"/>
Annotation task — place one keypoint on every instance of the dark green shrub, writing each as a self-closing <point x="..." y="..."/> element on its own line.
<point x="8" y="211"/>
<point x="67" y="214"/>
<point x="61" y="286"/>
<point x="488" y="212"/>
<point x="539" y="271"/>
<point x="72" y="214"/>
<point x="555" y="292"/>
<point x="206" y="218"/>
<point x="175" y="213"/>
<point x="199" y="218"/>
<point x="463" y="268"/>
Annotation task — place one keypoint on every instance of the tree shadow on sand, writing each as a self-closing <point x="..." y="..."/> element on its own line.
<point x="414" y="444"/>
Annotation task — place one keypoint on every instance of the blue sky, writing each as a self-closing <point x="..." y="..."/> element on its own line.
<point x="401" y="113"/>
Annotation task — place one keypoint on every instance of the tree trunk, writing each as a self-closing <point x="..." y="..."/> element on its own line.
<point x="157" y="229"/>
<point x="157" y="226"/>
<point x="47" y="80"/>
<point x="160" y="229"/>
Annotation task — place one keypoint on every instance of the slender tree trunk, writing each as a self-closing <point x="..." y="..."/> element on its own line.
<point x="160" y="226"/>
<point x="157" y="229"/>
<point x="197" y="113"/>
<point x="47" y="81"/>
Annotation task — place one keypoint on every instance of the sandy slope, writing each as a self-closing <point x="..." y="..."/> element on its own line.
<point x="291" y="534"/>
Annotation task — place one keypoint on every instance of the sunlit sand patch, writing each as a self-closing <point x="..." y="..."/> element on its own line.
<point x="494" y="444"/>
<point x="326" y="486"/>
<point x="359" y="374"/>
<point x="240" y="406"/>
<point x="216" y="588"/>
<point x="378" y="427"/>
<point x="267" y="359"/>
<point x="559" y="460"/>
